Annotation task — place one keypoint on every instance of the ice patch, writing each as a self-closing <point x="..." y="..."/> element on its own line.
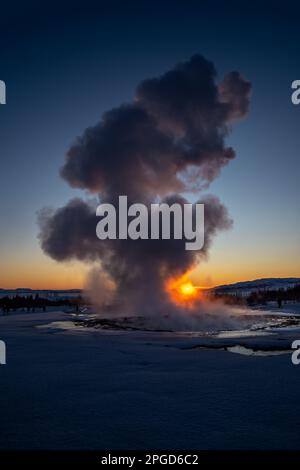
<point x="241" y="334"/>
<point x="60" y="325"/>
<point x="251" y="352"/>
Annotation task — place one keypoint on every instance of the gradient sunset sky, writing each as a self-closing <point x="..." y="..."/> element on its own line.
<point x="65" y="65"/>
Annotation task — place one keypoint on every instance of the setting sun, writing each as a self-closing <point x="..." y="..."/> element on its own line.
<point x="182" y="291"/>
<point x="187" y="289"/>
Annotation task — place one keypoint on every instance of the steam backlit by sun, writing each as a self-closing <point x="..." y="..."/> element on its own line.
<point x="187" y="289"/>
<point x="166" y="143"/>
<point x="182" y="291"/>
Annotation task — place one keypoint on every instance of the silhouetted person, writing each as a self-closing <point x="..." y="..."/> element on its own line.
<point x="279" y="302"/>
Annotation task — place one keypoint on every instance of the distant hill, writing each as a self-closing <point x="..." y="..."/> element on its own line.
<point x="246" y="287"/>
<point x="46" y="293"/>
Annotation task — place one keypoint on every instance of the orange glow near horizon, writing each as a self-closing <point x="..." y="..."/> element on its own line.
<point x="41" y="273"/>
<point x="54" y="276"/>
<point x="32" y="269"/>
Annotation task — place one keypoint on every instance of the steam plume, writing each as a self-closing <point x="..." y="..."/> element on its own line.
<point x="170" y="139"/>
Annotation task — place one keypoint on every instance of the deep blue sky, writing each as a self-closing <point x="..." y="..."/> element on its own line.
<point x="64" y="64"/>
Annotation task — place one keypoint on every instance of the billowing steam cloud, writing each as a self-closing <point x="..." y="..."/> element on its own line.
<point x="170" y="139"/>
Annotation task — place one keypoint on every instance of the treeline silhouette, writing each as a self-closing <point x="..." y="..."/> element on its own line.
<point x="262" y="296"/>
<point x="279" y="295"/>
<point x="32" y="303"/>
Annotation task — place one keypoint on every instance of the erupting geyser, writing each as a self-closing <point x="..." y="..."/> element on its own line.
<point x="169" y="140"/>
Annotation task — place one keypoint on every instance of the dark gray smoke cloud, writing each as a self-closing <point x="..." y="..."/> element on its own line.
<point x="170" y="139"/>
<point x="177" y="120"/>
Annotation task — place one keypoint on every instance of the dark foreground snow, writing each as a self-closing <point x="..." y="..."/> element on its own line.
<point x="88" y="389"/>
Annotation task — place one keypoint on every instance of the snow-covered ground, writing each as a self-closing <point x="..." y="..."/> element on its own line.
<point x="66" y="386"/>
